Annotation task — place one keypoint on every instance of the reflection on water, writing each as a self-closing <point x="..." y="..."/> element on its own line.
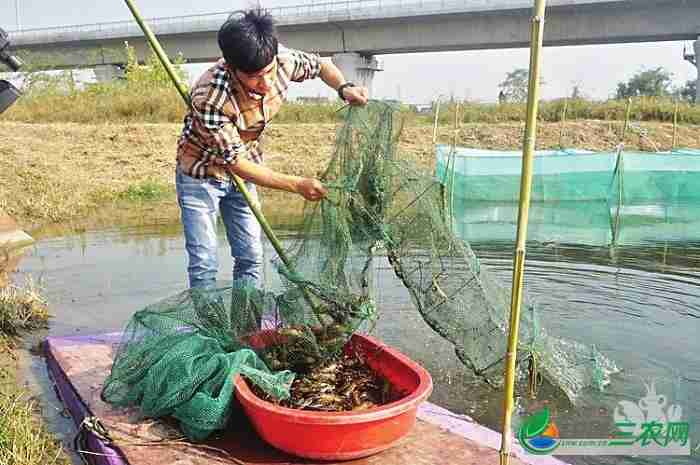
<point x="638" y="302"/>
<point x="643" y="314"/>
<point x="627" y="281"/>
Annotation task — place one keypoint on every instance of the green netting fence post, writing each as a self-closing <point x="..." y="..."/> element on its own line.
<point x="675" y="127"/>
<point x="618" y="175"/>
<point x="448" y="192"/>
<point x="563" y="121"/>
<point x="444" y="189"/>
<point x="451" y="171"/>
<point x="625" y="126"/>
<point x="618" y="193"/>
<point x="435" y="123"/>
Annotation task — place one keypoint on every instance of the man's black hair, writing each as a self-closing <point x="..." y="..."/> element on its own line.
<point x="248" y="40"/>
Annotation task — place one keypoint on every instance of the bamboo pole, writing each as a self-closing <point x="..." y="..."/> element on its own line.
<point x="182" y="89"/>
<point x="675" y="127"/>
<point x="160" y="53"/>
<point x="536" y="39"/>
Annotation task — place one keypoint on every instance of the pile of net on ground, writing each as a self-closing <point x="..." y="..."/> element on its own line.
<point x="178" y="357"/>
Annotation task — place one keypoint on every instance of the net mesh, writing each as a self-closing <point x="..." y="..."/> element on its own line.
<point x="178" y="357"/>
<point x="619" y="177"/>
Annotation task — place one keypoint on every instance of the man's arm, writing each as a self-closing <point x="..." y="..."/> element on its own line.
<point x="331" y="75"/>
<point x="310" y="66"/>
<point x="309" y="188"/>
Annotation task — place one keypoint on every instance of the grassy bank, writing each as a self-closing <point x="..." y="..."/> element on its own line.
<point x="23" y="438"/>
<point x="21" y="309"/>
<point x="124" y="102"/>
<point x="59" y="172"/>
<point x="642" y="109"/>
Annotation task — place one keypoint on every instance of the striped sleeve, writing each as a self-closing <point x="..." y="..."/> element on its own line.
<point x="209" y="105"/>
<point x="305" y="65"/>
<point x="228" y="144"/>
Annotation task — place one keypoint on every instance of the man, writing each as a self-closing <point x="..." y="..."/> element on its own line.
<point x="232" y="104"/>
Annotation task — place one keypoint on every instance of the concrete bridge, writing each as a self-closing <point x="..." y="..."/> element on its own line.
<point x="354" y="31"/>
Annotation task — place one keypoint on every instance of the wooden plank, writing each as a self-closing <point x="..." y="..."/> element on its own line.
<point x="86" y="361"/>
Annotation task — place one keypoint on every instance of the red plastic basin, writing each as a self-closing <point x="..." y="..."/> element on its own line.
<point x="345" y="435"/>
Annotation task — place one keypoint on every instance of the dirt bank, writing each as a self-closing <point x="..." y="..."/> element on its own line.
<point x="59" y="172"/>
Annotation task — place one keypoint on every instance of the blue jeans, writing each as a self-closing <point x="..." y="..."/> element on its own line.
<point x="200" y="202"/>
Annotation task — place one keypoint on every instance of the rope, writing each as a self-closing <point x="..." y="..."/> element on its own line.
<point x="94" y="426"/>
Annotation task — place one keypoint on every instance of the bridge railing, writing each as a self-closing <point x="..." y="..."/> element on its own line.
<point x="316" y="12"/>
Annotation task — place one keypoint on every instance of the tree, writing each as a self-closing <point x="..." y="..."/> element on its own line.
<point x="576" y="92"/>
<point x="36" y="74"/>
<point x="687" y="92"/>
<point x="152" y="73"/>
<point x="650" y="82"/>
<point x="515" y="85"/>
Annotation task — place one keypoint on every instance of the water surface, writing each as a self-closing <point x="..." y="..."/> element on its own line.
<point x="638" y="301"/>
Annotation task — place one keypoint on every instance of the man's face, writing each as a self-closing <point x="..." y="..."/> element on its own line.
<point x="259" y="82"/>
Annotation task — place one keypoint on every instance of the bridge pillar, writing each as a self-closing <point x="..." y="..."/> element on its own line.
<point x="108" y="73"/>
<point x="357" y="68"/>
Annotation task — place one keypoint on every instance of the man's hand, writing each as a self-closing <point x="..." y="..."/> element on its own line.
<point x="356" y="95"/>
<point x="311" y="189"/>
<point x="331" y="75"/>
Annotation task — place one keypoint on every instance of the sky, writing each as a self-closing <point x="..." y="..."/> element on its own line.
<point x="414" y="78"/>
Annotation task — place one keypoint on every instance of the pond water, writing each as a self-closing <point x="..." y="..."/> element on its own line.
<point x="638" y="302"/>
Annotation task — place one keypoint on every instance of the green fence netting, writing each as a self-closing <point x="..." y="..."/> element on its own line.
<point x="592" y="198"/>
<point x="618" y="177"/>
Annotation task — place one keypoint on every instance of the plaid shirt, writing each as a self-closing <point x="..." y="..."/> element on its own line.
<point x="228" y="120"/>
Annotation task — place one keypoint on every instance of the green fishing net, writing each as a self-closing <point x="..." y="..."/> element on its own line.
<point x="179" y="357"/>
